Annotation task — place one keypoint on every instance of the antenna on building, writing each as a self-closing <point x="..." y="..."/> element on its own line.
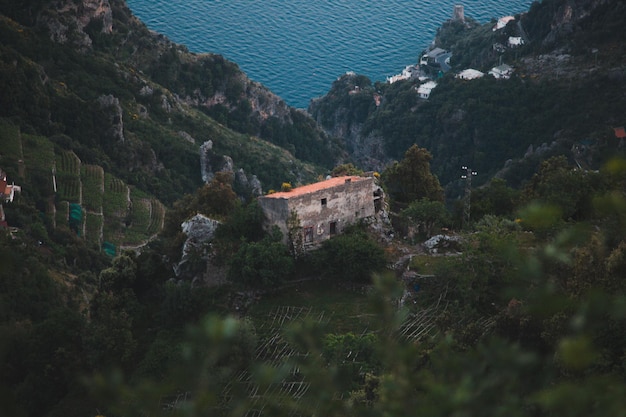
<point x="467" y="176"/>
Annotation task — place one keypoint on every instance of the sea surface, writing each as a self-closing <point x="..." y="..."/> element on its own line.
<point x="297" y="48"/>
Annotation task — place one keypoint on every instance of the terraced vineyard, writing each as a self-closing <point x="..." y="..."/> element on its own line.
<point x="145" y="219"/>
<point x="96" y="205"/>
<point x="93" y="227"/>
<point x="68" y="177"/>
<point x="92" y="177"/>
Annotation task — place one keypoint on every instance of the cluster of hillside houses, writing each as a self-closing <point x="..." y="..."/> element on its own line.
<point x="438" y="60"/>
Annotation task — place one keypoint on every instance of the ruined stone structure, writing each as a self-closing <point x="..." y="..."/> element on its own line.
<point x="459" y="13"/>
<point x="324" y="208"/>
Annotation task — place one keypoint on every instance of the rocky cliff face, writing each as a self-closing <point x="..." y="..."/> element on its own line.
<point x="66" y="20"/>
<point x="568" y="15"/>
<point x="199" y="231"/>
<point x="263" y="103"/>
<point x="342" y="113"/>
<point x="576" y="39"/>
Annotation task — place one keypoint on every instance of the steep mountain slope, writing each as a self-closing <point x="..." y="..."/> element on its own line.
<point x="92" y="78"/>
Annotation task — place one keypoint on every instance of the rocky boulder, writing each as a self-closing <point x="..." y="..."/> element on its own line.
<point x="200" y="231"/>
<point x="66" y="20"/>
<point x="441" y="244"/>
<point x="113" y="110"/>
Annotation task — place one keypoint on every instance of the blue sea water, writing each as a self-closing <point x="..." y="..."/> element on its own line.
<point x="297" y="48"/>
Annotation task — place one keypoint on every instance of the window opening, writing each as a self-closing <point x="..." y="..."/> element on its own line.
<point x="308" y="234"/>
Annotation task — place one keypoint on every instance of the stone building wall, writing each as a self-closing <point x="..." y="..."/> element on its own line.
<point x="324" y="208"/>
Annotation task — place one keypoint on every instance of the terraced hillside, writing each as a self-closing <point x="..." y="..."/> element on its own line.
<point x="84" y="198"/>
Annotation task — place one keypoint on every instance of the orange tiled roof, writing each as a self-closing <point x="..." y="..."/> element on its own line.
<point x="3" y="186"/>
<point x="317" y="186"/>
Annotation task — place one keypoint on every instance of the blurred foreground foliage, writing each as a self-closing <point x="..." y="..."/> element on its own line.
<point x="524" y="318"/>
<point x="526" y="324"/>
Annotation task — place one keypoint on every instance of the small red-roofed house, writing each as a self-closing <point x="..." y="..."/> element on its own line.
<point x="7" y="191"/>
<point x="620" y="132"/>
<point x="324" y="208"/>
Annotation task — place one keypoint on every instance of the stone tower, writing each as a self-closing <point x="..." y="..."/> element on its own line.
<point x="459" y="14"/>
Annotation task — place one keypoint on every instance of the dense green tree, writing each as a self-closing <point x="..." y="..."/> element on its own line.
<point x="411" y="179"/>
<point x="113" y="311"/>
<point x="120" y="275"/>
<point x="53" y="361"/>
<point x="351" y="256"/>
<point x="559" y="184"/>
<point x="217" y="198"/>
<point x="427" y="215"/>
<point x="182" y="302"/>
<point x="496" y="198"/>
<point x="244" y="222"/>
<point x="262" y="264"/>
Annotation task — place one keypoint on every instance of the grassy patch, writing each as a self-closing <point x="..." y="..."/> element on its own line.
<point x="68" y="177"/>
<point x="426" y="264"/>
<point x="68" y="188"/>
<point x="11" y="147"/>
<point x="68" y="163"/>
<point x="140" y="218"/>
<point x="62" y="214"/>
<point x="342" y="309"/>
<point x="93" y="227"/>
<point x="93" y="187"/>
<point x="115" y="209"/>
<point x="115" y="203"/>
<point x="157" y="217"/>
<point x="38" y="162"/>
<point x="38" y="152"/>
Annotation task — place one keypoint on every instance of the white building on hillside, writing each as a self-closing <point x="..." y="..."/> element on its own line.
<point x="503" y="71"/>
<point x="407" y="73"/>
<point x="502" y="22"/>
<point x="470" y="74"/>
<point x="424" y="90"/>
<point x="515" y="41"/>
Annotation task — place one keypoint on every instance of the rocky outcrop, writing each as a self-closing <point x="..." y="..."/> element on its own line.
<point x="211" y="163"/>
<point x="340" y="113"/>
<point x="205" y="161"/>
<point x="440" y="244"/>
<point x="66" y="20"/>
<point x="251" y="186"/>
<point x="112" y="108"/>
<point x="200" y="231"/>
<point x="266" y="104"/>
<point x="567" y="17"/>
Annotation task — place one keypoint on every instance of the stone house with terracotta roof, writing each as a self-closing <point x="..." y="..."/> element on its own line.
<point x="324" y="208"/>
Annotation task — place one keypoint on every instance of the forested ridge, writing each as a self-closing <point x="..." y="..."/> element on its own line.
<point x="564" y="93"/>
<point x="500" y="296"/>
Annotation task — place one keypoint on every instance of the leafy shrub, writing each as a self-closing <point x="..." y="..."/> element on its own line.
<point x="352" y="256"/>
<point x="262" y="264"/>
